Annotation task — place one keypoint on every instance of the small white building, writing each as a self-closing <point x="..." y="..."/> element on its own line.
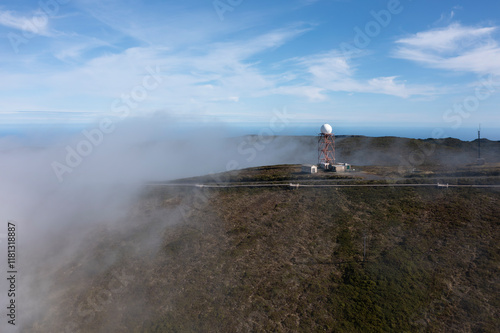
<point x="324" y="166"/>
<point x="308" y="168"/>
<point x="338" y="168"/>
<point x="341" y="167"/>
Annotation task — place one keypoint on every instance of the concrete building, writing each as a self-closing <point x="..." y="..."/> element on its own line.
<point x="341" y="167"/>
<point x="338" y="168"/>
<point x="308" y="168"/>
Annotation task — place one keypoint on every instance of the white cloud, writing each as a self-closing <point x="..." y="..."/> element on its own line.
<point x="35" y="24"/>
<point x="310" y="92"/>
<point x="75" y="50"/>
<point x="333" y="72"/>
<point x="212" y="69"/>
<point x="328" y="67"/>
<point x="211" y="78"/>
<point x="456" y="48"/>
<point x="203" y="77"/>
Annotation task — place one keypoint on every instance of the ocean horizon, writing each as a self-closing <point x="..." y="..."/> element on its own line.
<point x="51" y="133"/>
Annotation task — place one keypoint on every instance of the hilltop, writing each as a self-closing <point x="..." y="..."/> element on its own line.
<point x="388" y="150"/>
<point x="274" y="259"/>
<point x="370" y="259"/>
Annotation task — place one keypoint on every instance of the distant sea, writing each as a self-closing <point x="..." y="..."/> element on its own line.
<point x="51" y="133"/>
<point x="464" y="134"/>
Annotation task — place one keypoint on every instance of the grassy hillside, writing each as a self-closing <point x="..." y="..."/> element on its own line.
<point x="362" y="150"/>
<point x="273" y="259"/>
<point x="396" y="151"/>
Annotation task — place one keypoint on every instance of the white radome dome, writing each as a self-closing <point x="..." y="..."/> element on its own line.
<point x="326" y="129"/>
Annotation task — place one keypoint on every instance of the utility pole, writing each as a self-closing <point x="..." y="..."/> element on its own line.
<point x="479" y="142"/>
<point x="480" y="161"/>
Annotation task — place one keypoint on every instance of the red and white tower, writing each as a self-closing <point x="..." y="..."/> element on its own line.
<point x="326" y="145"/>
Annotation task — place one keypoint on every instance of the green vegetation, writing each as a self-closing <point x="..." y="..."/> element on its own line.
<point x="274" y="173"/>
<point x="269" y="259"/>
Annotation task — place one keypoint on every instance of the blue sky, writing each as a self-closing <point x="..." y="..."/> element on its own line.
<point x="354" y="64"/>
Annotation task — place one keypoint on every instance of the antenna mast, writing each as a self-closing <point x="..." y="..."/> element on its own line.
<point x="479" y="142"/>
<point x="326" y="145"/>
<point x="480" y="161"/>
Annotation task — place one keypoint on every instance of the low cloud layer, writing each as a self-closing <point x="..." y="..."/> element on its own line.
<point x="55" y="212"/>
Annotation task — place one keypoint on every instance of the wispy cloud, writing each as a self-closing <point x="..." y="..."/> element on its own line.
<point x="99" y="52"/>
<point x="455" y="47"/>
<point x="211" y="78"/>
<point x="333" y="72"/>
<point x="194" y="79"/>
<point x="35" y="24"/>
